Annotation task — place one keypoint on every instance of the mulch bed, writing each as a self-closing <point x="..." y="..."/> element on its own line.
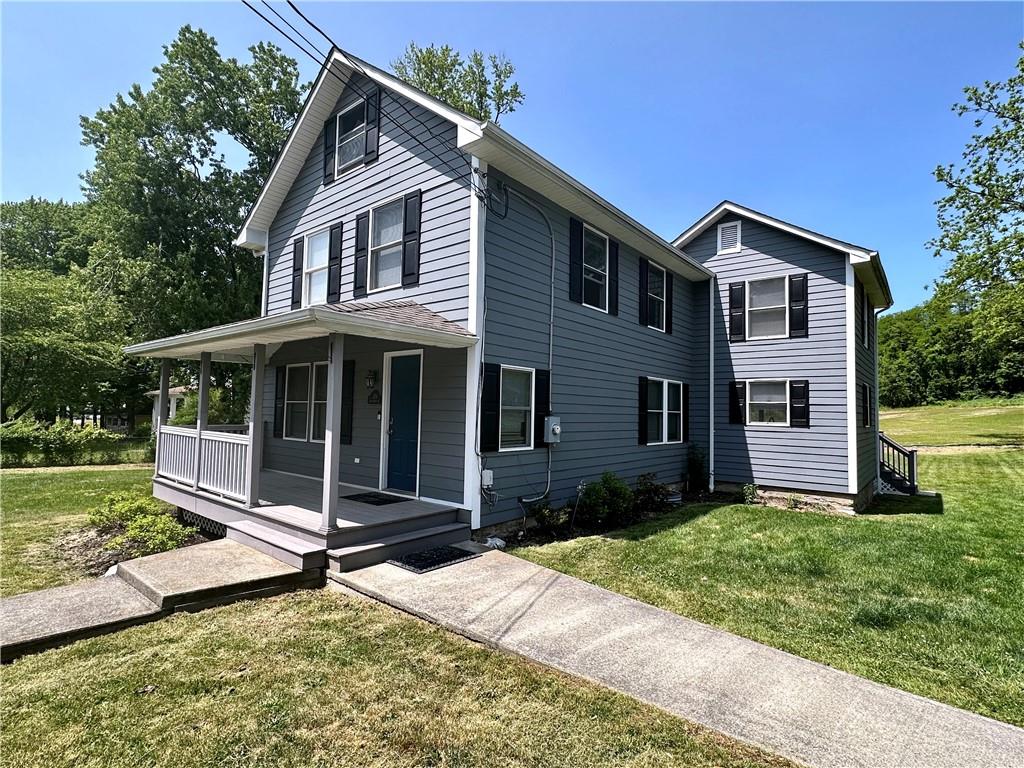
<point x="83" y="550"/>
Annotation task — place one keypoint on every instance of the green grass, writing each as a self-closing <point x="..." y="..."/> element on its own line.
<point x="319" y="679"/>
<point x="931" y="603"/>
<point x="40" y="504"/>
<point x="987" y="421"/>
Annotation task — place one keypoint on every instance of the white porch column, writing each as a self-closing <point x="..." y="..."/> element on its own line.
<point x="252" y="485"/>
<point x="202" y="411"/>
<point x="160" y="410"/>
<point x="332" y="436"/>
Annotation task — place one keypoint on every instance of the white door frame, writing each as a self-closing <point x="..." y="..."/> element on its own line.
<point x="385" y="417"/>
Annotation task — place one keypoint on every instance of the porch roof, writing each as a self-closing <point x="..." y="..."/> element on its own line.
<point x="400" y="320"/>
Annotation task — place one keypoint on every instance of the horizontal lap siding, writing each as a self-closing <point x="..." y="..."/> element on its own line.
<point x="799" y="458"/>
<point x="867" y="439"/>
<point x="597" y="361"/>
<point x="403" y="165"/>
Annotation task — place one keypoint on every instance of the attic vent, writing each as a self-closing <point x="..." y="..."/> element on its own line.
<point x="729" y="237"/>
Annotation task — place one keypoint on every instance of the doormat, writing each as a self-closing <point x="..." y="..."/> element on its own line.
<point x="375" y="498"/>
<point x="432" y="559"/>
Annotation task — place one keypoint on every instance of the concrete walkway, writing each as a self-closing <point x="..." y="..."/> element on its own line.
<point x="802" y="710"/>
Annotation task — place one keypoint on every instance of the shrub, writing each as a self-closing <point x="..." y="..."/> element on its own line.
<point x="750" y="493"/>
<point x="18" y="439"/>
<point x="551" y="520"/>
<point x="149" y="534"/>
<point x="793" y="501"/>
<point x="650" y="497"/>
<point x="26" y="441"/>
<point x="696" y="470"/>
<point x="608" y="503"/>
<point x="119" y="509"/>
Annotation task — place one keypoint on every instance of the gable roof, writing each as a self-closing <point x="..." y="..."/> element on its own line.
<point x="484" y="140"/>
<point x="866" y="262"/>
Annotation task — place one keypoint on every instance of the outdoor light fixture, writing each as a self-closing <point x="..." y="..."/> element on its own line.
<point x="371" y="379"/>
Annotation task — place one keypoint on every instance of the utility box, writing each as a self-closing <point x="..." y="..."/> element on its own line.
<point x="487" y="478"/>
<point x="552" y="429"/>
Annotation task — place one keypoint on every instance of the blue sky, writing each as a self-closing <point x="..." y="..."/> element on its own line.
<point x="829" y="115"/>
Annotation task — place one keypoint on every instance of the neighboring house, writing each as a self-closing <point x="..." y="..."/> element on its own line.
<point x="450" y="319"/>
<point x="175" y="397"/>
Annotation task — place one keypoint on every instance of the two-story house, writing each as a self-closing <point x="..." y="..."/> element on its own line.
<point x="453" y="328"/>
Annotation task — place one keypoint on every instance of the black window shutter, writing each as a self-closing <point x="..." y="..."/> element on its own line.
<point x="613" y="277"/>
<point x="330" y="141"/>
<point x="797" y="306"/>
<point x="642" y="405"/>
<point x="865" y="412"/>
<point x="686" y="413"/>
<point x="334" y="266"/>
<point x="411" y="240"/>
<point x="576" y="261"/>
<point x="348" y="399"/>
<point x="541" y="404"/>
<point x="362" y="245"/>
<point x="737" y="312"/>
<point x="737" y="401"/>
<point x="279" y="384"/>
<point x="668" y="301"/>
<point x="372" y="126"/>
<point x="490" y="407"/>
<point x="644" y="272"/>
<point x="799" y="404"/>
<point x="298" y="246"/>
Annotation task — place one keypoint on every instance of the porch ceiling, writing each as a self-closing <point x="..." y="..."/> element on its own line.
<point x="404" y="321"/>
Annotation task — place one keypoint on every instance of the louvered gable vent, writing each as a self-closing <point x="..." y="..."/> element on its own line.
<point x="729" y="237"/>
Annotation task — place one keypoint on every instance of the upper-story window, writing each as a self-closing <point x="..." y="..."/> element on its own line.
<point x="351" y="136"/>
<point x="385" y="264"/>
<point x="595" y="269"/>
<point x="655" y="297"/>
<point x="729" y="237"/>
<point x="767" y="301"/>
<point x="314" y="269"/>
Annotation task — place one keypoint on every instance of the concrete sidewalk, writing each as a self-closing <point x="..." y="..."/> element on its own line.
<point x="802" y="710"/>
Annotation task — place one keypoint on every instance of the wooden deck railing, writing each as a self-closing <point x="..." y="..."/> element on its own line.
<point x="900" y="462"/>
<point x="214" y="459"/>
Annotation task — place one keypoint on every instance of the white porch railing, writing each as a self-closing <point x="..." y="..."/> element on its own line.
<point x="220" y="467"/>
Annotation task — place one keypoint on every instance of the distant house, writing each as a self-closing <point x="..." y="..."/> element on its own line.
<point x="453" y="328"/>
<point x="175" y="397"/>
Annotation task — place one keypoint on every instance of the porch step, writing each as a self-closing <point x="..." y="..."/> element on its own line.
<point x="370" y="553"/>
<point x="294" y="551"/>
<point x="377" y="530"/>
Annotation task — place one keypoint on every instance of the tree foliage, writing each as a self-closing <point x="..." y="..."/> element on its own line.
<point x="479" y="85"/>
<point x="40" y="234"/>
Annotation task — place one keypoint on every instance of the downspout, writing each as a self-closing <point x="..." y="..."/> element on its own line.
<point x="711" y="384"/>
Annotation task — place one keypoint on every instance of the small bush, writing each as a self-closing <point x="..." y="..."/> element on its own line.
<point x="793" y="501"/>
<point x="750" y="493"/>
<point x="696" y="470"/>
<point x="149" y="534"/>
<point x="551" y="520"/>
<point x="608" y="503"/>
<point x="26" y="442"/>
<point x="650" y="497"/>
<point x="118" y="510"/>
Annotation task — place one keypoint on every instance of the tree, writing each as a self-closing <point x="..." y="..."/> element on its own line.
<point x="479" y="86"/>
<point x="40" y="234"/>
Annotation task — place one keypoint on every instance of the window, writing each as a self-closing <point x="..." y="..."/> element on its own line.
<point x="319" y="430"/>
<point x="516" y="431"/>
<point x="385" y="263"/>
<point x="729" y="237"/>
<point x="664" y="411"/>
<point x="766" y="308"/>
<point x="768" y="403"/>
<point x="314" y="269"/>
<point x="655" y="297"/>
<point x="595" y="269"/>
<point x="351" y="136"/>
<point x="296" y="403"/>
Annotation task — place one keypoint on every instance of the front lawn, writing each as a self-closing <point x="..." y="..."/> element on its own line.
<point x="973" y="422"/>
<point x="316" y="678"/>
<point x="930" y="603"/>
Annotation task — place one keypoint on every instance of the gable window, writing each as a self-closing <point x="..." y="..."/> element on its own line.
<point x="664" y="411"/>
<point x="655" y="297"/>
<point x="319" y="430"/>
<point x="595" y="269"/>
<point x="766" y="308"/>
<point x="314" y="269"/>
<point x="516" y="431"/>
<point x="768" y="403"/>
<point x="351" y="139"/>
<point x="296" y="402"/>
<point x="729" y="237"/>
<point x="385" y="263"/>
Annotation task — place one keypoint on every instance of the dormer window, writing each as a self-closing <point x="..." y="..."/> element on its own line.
<point x="729" y="237"/>
<point x="351" y="136"/>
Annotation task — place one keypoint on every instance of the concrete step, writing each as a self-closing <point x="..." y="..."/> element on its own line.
<point x="374" y="531"/>
<point x="370" y="553"/>
<point x="294" y="551"/>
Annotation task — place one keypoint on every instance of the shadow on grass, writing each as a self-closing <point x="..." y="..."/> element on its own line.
<point x="922" y="504"/>
<point x="1007" y="439"/>
<point x="682" y="515"/>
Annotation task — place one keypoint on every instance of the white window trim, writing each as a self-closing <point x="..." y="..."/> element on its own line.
<point x="664" y="297"/>
<point x="739" y="237"/>
<point x="747" y="308"/>
<point x="665" y="411"/>
<point x="340" y="169"/>
<point x="607" y="276"/>
<point x="287" y="378"/>
<point x="312" y="398"/>
<point x="530" y="414"/>
<point x="307" y="271"/>
<point x="748" y="402"/>
<point x="370" y="248"/>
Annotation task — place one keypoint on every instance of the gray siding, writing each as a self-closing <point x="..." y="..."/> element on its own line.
<point x="597" y="360"/>
<point x="867" y="437"/>
<point x="441" y="429"/>
<point x="402" y="166"/>
<point x="799" y="458"/>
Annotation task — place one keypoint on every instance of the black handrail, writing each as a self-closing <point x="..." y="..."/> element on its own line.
<point x="900" y="461"/>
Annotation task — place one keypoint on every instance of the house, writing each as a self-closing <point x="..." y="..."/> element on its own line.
<point x="175" y="397"/>
<point x="453" y="329"/>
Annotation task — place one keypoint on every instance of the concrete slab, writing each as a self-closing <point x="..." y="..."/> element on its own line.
<point x="803" y="710"/>
<point x="49" y="617"/>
